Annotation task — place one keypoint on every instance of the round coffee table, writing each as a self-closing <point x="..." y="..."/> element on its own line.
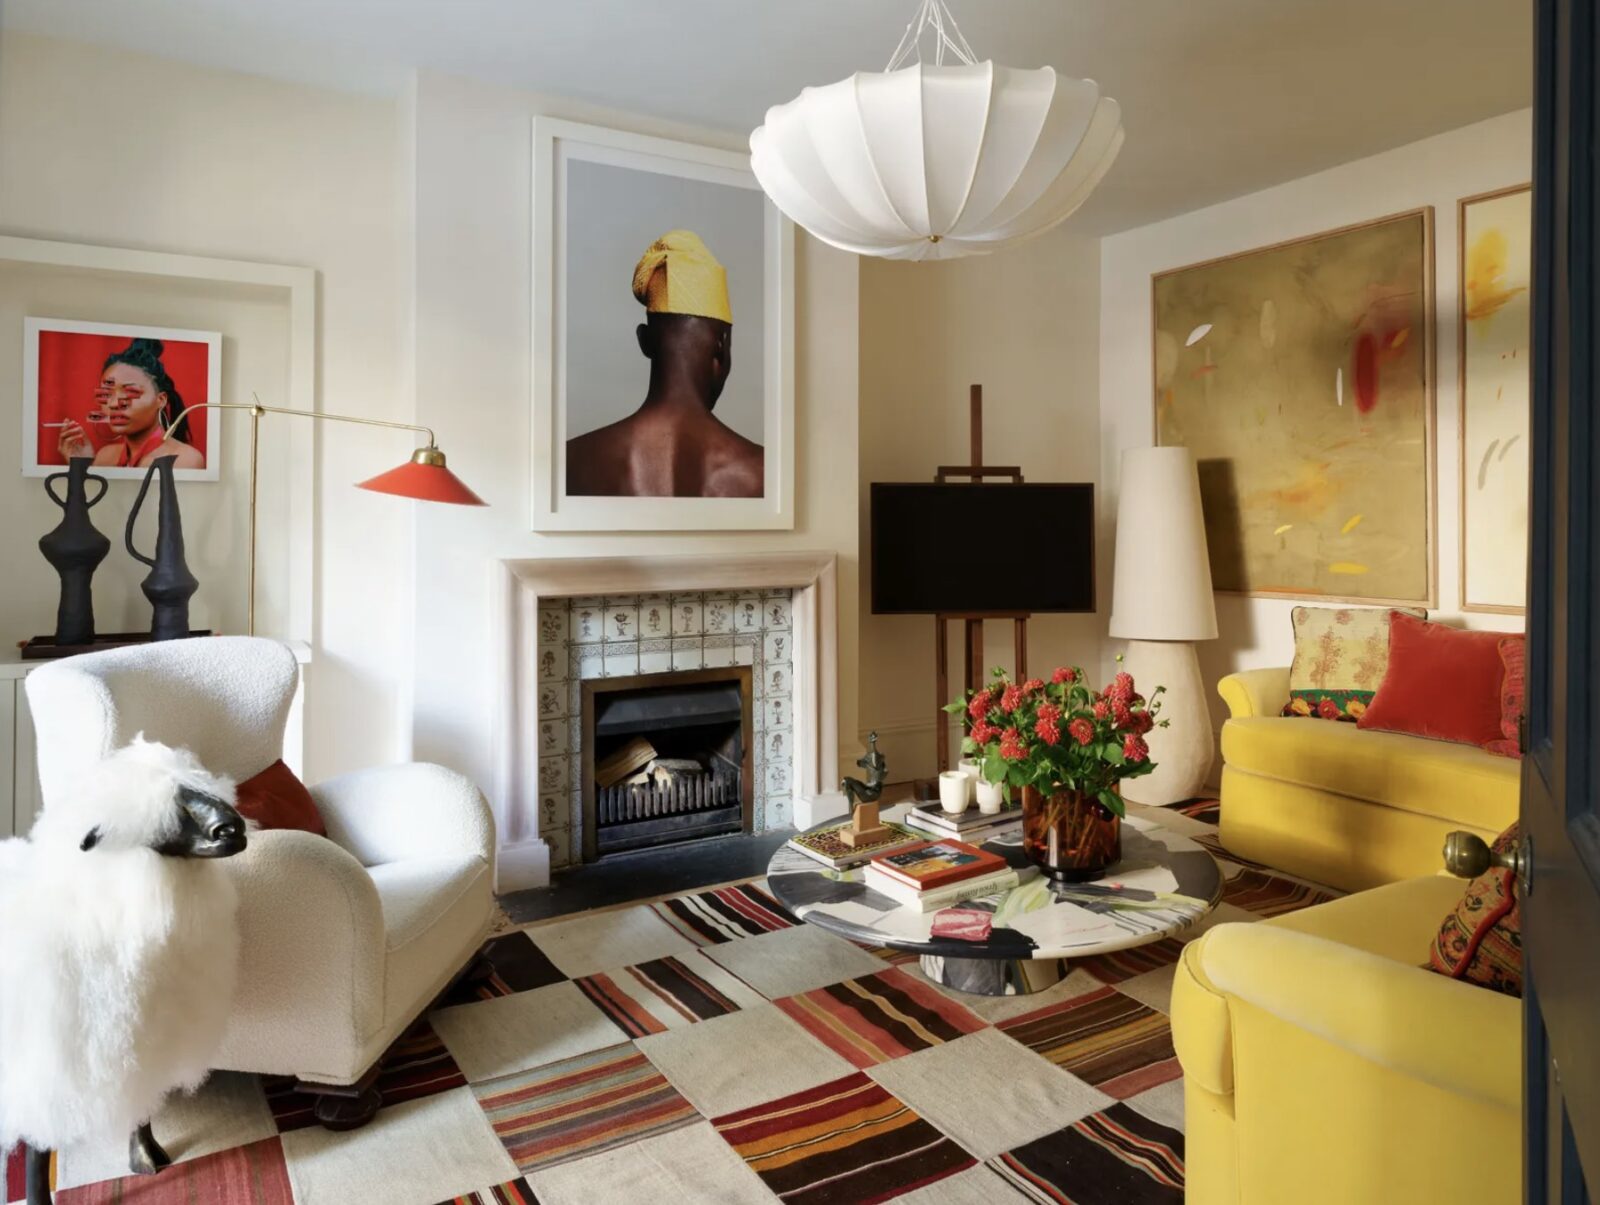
<point x="1163" y="884"/>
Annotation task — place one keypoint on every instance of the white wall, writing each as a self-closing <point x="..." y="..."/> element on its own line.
<point x="121" y="149"/>
<point x="1437" y="171"/>
<point x="471" y="291"/>
<point x="1023" y="323"/>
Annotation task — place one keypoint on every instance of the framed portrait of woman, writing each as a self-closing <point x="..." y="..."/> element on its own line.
<point x="113" y="392"/>
<point x="663" y="331"/>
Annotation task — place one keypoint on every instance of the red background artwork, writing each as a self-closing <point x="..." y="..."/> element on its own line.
<point x="69" y="370"/>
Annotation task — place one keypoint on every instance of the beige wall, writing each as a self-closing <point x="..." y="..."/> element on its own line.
<point x="471" y="235"/>
<point x="1437" y="171"/>
<point x="1023" y="323"/>
<point x="125" y="150"/>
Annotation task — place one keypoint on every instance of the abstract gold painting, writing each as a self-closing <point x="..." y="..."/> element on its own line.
<point x="1301" y="375"/>
<point x="1494" y="330"/>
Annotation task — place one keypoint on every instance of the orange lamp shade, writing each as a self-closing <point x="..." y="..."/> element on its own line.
<point x="425" y="478"/>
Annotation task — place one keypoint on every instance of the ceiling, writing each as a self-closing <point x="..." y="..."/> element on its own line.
<point x="1219" y="97"/>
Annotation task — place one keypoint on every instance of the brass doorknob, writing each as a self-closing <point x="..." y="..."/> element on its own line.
<point x="1468" y="855"/>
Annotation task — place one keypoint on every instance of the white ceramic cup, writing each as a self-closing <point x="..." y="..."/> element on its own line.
<point x="953" y="788"/>
<point x="974" y="775"/>
<point x="991" y="797"/>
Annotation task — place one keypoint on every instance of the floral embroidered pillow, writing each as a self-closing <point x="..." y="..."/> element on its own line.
<point x="1340" y="655"/>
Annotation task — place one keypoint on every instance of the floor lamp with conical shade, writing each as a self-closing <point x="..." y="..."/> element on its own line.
<point x="425" y="477"/>
<point x="1162" y="604"/>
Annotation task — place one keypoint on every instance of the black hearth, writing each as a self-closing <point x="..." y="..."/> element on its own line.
<point x="666" y="758"/>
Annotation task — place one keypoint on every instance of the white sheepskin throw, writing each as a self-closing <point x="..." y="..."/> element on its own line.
<point x="117" y="964"/>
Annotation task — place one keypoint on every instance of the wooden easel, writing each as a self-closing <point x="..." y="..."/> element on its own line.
<point x="974" y="472"/>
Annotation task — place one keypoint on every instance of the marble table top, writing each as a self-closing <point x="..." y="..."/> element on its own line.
<point x="1163" y="884"/>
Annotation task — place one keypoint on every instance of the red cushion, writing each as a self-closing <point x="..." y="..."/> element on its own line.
<point x="275" y="798"/>
<point x="1513" y="689"/>
<point x="1442" y="683"/>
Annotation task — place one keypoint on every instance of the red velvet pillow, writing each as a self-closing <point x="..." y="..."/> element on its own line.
<point x="275" y="798"/>
<point x="1442" y="683"/>
<point x="1513" y="691"/>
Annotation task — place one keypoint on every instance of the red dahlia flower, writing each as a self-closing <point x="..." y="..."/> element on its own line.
<point x="1134" y="749"/>
<point x="979" y="707"/>
<point x="1082" y="730"/>
<point x="1063" y="674"/>
<point x="1102" y="709"/>
<point x="1011" y="698"/>
<point x="1031" y="685"/>
<point x="1047" y="730"/>
<point x="1011" y="746"/>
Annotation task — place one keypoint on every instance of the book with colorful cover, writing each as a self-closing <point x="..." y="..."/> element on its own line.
<point x="930" y="864"/>
<point x="941" y="897"/>
<point x="823" y="845"/>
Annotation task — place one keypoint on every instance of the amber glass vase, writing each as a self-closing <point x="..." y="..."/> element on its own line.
<point x="1069" y="835"/>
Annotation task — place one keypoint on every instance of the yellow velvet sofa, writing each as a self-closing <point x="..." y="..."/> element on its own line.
<point x="1336" y="804"/>
<point x="1322" y="1064"/>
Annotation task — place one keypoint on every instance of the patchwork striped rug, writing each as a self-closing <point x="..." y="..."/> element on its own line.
<point x="848" y="1140"/>
<point x="880" y="1017"/>
<point x="706" y="1048"/>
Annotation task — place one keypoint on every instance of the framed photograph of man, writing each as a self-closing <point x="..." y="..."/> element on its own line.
<point x="663" y="331"/>
<point x="116" y="393"/>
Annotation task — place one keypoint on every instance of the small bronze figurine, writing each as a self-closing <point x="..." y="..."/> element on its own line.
<point x="877" y="774"/>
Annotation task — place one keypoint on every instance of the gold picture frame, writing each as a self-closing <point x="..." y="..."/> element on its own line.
<point x="1426" y="398"/>
<point x="1462" y="433"/>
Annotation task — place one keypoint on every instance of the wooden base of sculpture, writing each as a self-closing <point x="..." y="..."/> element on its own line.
<point x="864" y="828"/>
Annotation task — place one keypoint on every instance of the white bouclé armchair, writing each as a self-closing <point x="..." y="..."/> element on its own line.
<point x="345" y="939"/>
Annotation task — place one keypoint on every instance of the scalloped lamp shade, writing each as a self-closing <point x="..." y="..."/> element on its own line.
<point x="425" y="478"/>
<point x="934" y="162"/>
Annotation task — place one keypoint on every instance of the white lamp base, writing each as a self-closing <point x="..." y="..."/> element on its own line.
<point x="1183" y="750"/>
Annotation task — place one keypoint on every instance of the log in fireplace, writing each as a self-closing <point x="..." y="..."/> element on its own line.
<point x="666" y="758"/>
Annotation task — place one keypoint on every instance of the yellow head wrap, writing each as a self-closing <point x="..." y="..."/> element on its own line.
<point x="679" y="275"/>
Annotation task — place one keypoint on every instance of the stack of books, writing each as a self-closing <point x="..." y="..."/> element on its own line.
<point x="937" y="874"/>
<point x="971" y="826"/>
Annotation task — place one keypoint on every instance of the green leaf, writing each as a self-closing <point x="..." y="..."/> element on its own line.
<point x="994" y="768"/>
<point x="968" y="746"/>
<point x="953" y="708"/>
<point x="1113" y="753"/>
<point x="1112" y="803"/>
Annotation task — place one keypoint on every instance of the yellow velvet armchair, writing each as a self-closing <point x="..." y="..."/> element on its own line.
<point x="1323" y="1066"/>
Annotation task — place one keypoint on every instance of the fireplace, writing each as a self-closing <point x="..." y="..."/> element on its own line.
<point x="666" y="758"/>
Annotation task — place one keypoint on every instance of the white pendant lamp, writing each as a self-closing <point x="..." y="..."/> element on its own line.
<point x="931" y="161"/>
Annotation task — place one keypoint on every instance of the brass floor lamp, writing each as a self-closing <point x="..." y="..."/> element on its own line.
<point x="424" y="477"/>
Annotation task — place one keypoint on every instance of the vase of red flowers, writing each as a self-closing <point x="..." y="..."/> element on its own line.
<point x="1067" y="748"/>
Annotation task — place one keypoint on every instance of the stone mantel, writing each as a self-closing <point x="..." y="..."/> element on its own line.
<point x="524" y="859"/>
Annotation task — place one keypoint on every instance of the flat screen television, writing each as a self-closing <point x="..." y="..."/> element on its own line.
<point x="969" y="548"/>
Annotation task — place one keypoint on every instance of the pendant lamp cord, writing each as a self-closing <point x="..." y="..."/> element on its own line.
<point x="947" y="35"/>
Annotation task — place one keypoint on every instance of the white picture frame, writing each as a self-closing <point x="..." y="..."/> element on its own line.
<point x="34" y="328"/>
<point x="556" y="144"/>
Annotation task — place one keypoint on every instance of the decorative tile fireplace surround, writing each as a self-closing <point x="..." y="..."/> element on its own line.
<point x="565" y="621"/>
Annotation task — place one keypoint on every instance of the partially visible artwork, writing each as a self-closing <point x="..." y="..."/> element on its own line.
<point x="1301" y="375"/>
<point x="110" y="392"/>
<point x="662" y="347"/>
<point x="1495" y="328"/>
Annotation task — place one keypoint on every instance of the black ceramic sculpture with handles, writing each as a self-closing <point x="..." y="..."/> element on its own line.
<point x="75" y="549"/>
<point x="169" y="585"/>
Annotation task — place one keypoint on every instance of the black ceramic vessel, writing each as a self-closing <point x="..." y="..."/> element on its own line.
<point x="169" y="585"/>
<point x="75" y="549"/>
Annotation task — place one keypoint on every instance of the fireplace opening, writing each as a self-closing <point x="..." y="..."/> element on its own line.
<point x="666" y="758"/>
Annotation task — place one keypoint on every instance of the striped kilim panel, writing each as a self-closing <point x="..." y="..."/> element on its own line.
<point x="1213" y="845"/>
<point x="880" y="1017"/>
<point x="515" y="1193"/>
<point x="667" y="993"/>
<point x="710" y="918"/>
<point x="417" y="1065"/>
<point x="1105" y="1038"/>
<point x="1125" y="964"/>
<point x="849" y="1140"/>
<point x="895" y="958"/>
<point x="243" y="1175"/>
<point x="509" y="964"/>
<point x="578" y="1106"/>
<point x="1269" y="895"/>
<point x="1207" y="811"/>
<point x="1117" y="1155"/>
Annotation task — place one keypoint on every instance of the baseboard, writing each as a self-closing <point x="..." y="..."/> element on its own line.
<point x="522" y="866"/>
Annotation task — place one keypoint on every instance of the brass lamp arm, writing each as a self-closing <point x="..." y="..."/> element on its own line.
<point x="257" y="409"/>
